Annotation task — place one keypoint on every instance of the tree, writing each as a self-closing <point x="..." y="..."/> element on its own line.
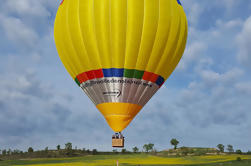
<point x="221" y="147"/>
<point x="68" y="148"/>
<point x="9" y="152"/>
<point x="4" y="152"/>
<point x="145" y="147"/>
<point x="94" y="151"/>
<point x="58" y="147"/>
<point x="16" y="151"/>
<point x="174" y="142"/>
<point x="46" y="149"/>
<point x="30" y="150"/>
<point x="88" y="151"/>
<point x="238" y="159"/>
<point x="135" y="149"/>
<point x="238" y="151"/>
<point x="148" y="147"/>
<point x="115" y="151"/>
<point x="230" y="148"/>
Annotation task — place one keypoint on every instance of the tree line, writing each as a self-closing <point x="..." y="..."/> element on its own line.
<point x="69" y="151"/>
<point x="230" y="149"/>
<point x="66" y="151"/>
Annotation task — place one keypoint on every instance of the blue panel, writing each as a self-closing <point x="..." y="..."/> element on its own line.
<point x="179" y="2"/>
<point x="113" y="72"/>
<point x="118" y="72"/>
<point x="107" y="72"/>
<point x="160" y="81"/>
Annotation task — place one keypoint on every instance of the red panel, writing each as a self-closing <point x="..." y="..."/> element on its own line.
<point x="90" y="75"/>
<point x="148" y="76"/>
<point x="82" y="78"/>
<point x="98" y="73"/>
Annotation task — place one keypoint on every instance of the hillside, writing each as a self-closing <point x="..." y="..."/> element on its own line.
<point x="183" y="151"/>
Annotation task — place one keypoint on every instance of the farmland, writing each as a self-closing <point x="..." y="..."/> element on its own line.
<point x="135" y="160"/>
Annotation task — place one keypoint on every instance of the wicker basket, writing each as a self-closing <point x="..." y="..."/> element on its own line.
<point x="118" y="142"/>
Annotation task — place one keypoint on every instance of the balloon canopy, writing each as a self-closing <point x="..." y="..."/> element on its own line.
<point x="120" y="52"/>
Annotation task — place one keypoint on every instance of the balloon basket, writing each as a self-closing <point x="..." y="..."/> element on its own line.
<point x="118" y="140"/>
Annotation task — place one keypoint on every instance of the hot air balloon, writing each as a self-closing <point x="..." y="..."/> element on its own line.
<point x="120" y="52"/>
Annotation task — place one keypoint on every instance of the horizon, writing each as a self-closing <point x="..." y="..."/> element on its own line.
<point x="140" y="149"/>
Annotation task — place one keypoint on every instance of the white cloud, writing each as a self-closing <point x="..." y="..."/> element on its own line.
<point x="195" y="12"/>
<point x="244" y="87"/>
<point x="229" y="24"/>
<point x="18" y="32"/>
<point x="213" y="79"/>
<point x="212" y="107"/>
<point x="26" y="7"/>
<point x="193" y="53"/>
<point x="32" y="111"/>
<point x="244" y="43"/>
<point x="210" y="77"/>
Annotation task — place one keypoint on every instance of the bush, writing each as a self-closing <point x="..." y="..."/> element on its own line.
<point x="238" y="159"/>
<point x="184" y="150"/>
<point x="94" y="151"/>
<point x="238" y="151"/>
<point x="200" y="152"/>
<point x="30" y="150"/>
<point x="249" y="152"/>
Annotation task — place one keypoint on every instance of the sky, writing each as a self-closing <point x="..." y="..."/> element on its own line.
<point x="205" y="102"/>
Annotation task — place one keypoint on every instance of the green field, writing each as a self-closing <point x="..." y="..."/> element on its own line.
<point x="135" y="160"/>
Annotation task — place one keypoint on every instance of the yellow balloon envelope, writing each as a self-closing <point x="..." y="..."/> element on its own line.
<point x="120" y="52"/>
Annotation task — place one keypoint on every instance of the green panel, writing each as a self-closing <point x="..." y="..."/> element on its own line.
<point x="76" y="80"/>
<point x="138" y="74"/>
<point x="132" y="73"/>
<point x="129" y="73"/>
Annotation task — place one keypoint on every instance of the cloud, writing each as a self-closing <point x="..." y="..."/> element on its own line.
<point x="195" y="13"/>
<point x="211" y="78"/>
<point x="18" y="32"/>
<point x="194" y="53"/>
<point x="33" y="111"/>
<point x="244" y="87"/>
<point x="244" y="42"/>
<point x="28" y="8"/>
<point x="212" y="106"/>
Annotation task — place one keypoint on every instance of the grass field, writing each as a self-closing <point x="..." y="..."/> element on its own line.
<point x="135" y="160"/>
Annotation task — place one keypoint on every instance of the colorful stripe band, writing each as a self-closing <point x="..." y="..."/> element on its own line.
<point x="114" y="72"/>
